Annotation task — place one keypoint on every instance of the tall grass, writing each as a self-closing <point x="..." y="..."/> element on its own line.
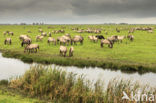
<point x="57" y="85"/>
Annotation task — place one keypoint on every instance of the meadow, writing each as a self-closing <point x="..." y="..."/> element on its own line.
<point x="138" y="55"/>
<point x="7" y="97"/>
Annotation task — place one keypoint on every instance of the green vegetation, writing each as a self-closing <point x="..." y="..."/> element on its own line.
<point x="6" y="97"/>
<point x="138" y="55"/>
<point x="53" y="85"/>
<point x="9" y="96"/>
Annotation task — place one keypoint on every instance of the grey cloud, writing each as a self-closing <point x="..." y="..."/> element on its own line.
<point x="72" y="10"/>
<point x="129" y="8"/>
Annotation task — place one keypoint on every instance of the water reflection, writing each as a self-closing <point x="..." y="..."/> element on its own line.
<point x="13" y="67"/>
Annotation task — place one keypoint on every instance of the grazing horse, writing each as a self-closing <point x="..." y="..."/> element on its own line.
<point x="97" y="31"/>
<point x="150" y="31"/>
<point x="68" y="35"/>
<point x="40" y="30"/>
<point x="113" y="38"/>
<point x="4" y="33"/>
<point x="49" y="34"/>
<point x="64" y="39"/>
<point x="93" y="38"/>
<point x="120" y="38"/>
<point x="131" y="30"/>
<point x="130" y="37"/>
<point x="63" y="50"/>
<point x="117" y="30"/>
<point x="67" y="38"/>
<point x="31" y="48"/>
<point x="80" y="31"/>
<point x="61" y="40"/>
<point x="29" y="31"/>
<point x="100" y="36"/>
<point x="11" y="33"/>
<point x="50" y="39"/>
<point x="8" y="32"/>
<point x="62" y="31"/>
<point x="22" y="37"/>
<point x="77" y="38"/>
<point x="71" y="50"/>
<point x="26" y="41"/>
<point x="7" y="40"/>
<point x="106" y="41"/>
<point x="39" y="37"/>
<point x="44" y="34"/>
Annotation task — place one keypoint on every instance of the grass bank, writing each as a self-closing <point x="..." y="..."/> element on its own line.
<point x="56" y="85"/>
<point x="105" y="64"/>
<point x="138" y="55"/>
<point x="9" y="96"/>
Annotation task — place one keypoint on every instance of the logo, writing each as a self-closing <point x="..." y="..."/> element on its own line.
<point x="138" y="97"/>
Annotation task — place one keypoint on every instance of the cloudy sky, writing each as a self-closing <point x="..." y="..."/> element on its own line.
<point x="78" y="11"/>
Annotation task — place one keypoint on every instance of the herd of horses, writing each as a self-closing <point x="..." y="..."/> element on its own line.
<point x="66" y="39"/>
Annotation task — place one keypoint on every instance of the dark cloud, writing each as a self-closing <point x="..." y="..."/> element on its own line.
<point x="128" y="8"/>
<point x="75" y="10"/>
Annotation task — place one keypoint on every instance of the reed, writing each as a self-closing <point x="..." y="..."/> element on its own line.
<point x="57" y="85"/>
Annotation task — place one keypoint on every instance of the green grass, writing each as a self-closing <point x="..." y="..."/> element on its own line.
<point x="6" y="97"/>
<point x="138" y="55"/>
<point x="54" y="85"/>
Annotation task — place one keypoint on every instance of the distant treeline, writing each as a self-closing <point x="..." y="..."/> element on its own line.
<point x="73" y="24"/>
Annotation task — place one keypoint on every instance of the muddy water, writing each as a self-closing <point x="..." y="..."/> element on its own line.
<point x="13" y="67"/>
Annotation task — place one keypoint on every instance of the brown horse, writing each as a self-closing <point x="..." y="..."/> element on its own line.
<point x="113" y="38"/>
<point x="77" y="38"/>
<point x="44" y="34"/>
<point x="50" y="39"/>
<point x="39" y="37"/>
<point x="7" y="40"/>
<point x="22" y="37"/>
<point x="120" y="38"/>
<point x="130" y="37"/>
<point x="71" y="50"/>
<point x="40" y="30"/>
<point x="31" y="48"/>
<point x="26" y="41"/>
<point x="63" y="50"/>
<point x="108" y="42"/>
<point x="93" y="38"/>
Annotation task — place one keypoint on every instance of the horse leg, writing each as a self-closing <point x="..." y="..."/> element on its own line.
<point x="60" y="53"/>
<point x="64" y="54"/>
<point x="121" y="41"/>
<point x="75" y="43"/>
<point x="69" y="53"/>
<point x="101" y="45"/>
<point x="81" y="42"/>
<point x="28" y="50"/>
<point x="5" y="42"/>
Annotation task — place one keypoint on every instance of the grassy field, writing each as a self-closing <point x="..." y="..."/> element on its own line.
<point x="5" y="98"/>
<point x="138" y="55"/>
<point x="53" y="85"/>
